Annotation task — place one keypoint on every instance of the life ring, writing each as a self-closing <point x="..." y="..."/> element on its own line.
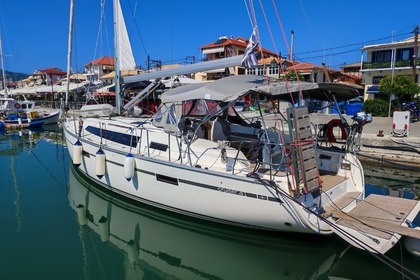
<point x="17" y="105"/>
<point x="330" y="130"/>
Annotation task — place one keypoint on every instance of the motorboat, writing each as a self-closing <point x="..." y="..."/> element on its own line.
<point x="22" y="112"/>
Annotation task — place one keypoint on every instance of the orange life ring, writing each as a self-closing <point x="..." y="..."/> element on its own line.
<point x="330" y="130"/>
<point x="17" y="105"/>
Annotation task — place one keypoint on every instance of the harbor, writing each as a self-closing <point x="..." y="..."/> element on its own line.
<point x="60" y="221"/>
<point x="242" y="164"/>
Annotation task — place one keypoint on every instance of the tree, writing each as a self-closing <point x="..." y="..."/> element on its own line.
<point x="401" y="86"/>
<point x="294" y="75"/>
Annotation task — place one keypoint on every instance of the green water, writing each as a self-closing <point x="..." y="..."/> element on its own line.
<point x="56" y="224"/>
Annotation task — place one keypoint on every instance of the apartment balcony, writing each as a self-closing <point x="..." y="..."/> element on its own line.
<point x="387" y="65"/>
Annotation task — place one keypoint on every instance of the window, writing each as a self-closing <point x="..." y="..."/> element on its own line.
<point x="376" y="80"/>
<point x="382" y="56"/>
<point x="404" y="54"/>
<point x="274" y="70"/>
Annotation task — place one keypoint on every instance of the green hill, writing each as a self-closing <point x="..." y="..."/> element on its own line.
<point x="15" y="76"/>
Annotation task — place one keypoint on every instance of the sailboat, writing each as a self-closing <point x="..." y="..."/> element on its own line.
<point x="200" y="158"/>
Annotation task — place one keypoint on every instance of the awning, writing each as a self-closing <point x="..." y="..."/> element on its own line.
<point x="214" y="50"/>
<point x="232" y="87"/>
<point x="373" y="90"/>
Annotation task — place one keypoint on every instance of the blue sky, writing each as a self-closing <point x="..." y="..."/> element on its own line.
<point x="34" y="33"/>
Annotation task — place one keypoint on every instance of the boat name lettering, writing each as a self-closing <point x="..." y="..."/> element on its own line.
<point x="220" y="189"/>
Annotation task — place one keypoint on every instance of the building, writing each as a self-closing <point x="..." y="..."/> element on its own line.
<point x="8" y="80"/>
<point x="352" y="69"/>
<point x="99" y="67"/>
<point x="227" y="47"/>
<point x="48" y="76"/>
<point x="314" y="73"/>
<point x="395" y="58"/>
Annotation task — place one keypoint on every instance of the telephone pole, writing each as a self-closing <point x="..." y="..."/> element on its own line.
<point x="416" y="33"/>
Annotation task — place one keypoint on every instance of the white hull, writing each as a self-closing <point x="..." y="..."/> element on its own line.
<point x="141" y="234"/>
<point x="216" y="194"/>
<point x="51" y="118"/>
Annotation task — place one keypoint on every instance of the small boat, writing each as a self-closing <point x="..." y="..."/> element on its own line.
<point x="32" y="124"/>
<point x="21" y="113"/>
<point x="17" y="112"/>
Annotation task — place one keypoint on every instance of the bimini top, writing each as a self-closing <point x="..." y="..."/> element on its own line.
<point x="233" y="87"/>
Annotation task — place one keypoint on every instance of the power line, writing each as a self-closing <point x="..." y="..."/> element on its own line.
<point x="355" y="44"/>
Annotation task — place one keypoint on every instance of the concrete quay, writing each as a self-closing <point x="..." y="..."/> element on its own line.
<point x="380" y="146"/>
<point x="382" y="149"/>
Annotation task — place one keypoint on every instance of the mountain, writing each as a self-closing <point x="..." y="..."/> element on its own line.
<point x="15" y="76"/>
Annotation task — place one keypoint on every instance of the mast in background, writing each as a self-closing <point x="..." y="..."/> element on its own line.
<point x="2" y="69"/>
<point x="69" y="50"/>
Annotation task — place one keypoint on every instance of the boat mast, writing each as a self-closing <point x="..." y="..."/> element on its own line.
<point x="69" y="50"/>
<point x="2" y="69"/>
<point x="116" y="6"/>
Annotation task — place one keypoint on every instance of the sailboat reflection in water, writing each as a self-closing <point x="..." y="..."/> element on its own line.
<point x="154" y="243"/>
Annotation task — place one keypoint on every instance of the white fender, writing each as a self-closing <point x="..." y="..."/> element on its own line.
<point x="81" y="215"/>
<point x="100" y="163"/>
<point x="129" y="165"/>
<point x="77" y="153"/>
<point x="103" y="229"/>
<point x="132" y="251"/>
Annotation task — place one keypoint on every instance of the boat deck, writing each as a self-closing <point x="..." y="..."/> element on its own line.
<point x="330" y="181"/>
<point x="380" y="216"/>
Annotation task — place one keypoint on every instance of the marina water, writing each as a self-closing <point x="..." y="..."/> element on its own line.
<point x="57" y="224"/>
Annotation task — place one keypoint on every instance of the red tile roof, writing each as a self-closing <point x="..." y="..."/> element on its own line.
<point x="105" y="60"/>
<point x="53" y="71"/>
<point x="304" y="66"/>
<point x="239" y="42"/>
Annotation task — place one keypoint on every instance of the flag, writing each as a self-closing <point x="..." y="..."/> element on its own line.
<point x="250" y="57"/>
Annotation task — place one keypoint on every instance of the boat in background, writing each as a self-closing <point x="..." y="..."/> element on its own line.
<point x="21" y="114"/>
<point x="16" y="112"/>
